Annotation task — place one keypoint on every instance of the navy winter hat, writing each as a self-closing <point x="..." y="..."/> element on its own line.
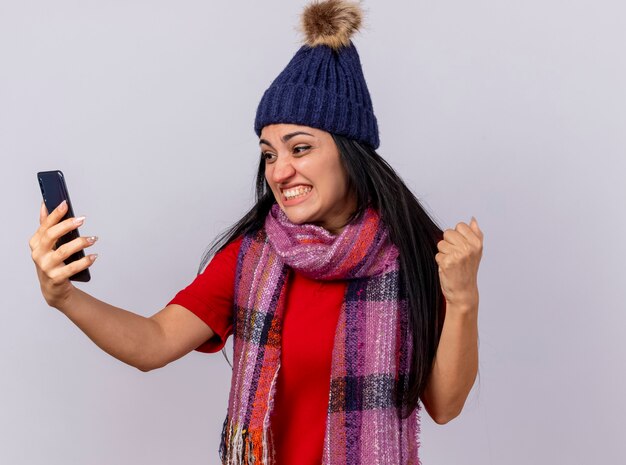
<point x="323" y="85"/>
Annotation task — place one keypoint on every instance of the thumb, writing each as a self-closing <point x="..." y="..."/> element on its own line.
<point x="474" y="225"/>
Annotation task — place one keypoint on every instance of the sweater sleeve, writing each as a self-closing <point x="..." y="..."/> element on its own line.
<point x="211" y="296"/>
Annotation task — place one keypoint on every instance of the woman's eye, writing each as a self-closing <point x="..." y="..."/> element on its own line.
<point x="301" y="148"/>
<point x="266" y="156"/>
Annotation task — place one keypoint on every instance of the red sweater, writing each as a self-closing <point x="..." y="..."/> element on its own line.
<point x="298" y="420"/>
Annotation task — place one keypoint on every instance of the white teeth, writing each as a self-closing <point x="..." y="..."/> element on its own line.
<point x="296" y="192"/>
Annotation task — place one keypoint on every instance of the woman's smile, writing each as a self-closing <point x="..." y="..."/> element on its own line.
<point x="296" y="195"/>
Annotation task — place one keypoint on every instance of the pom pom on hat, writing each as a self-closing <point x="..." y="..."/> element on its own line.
<point x="330" y="22"/>
<point x="323" y="85"/>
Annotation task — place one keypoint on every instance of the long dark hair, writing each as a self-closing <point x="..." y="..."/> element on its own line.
<point x="411" y="229"/>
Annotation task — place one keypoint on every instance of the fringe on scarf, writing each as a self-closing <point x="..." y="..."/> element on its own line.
<point x="243" y="446"/>
<point x="240" y="446"/>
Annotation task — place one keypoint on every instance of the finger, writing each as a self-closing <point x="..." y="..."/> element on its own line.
<point x="55" y="215"/>
<point x="453" y="236"/>
<point x="440" y="264"/>
<point x="468" y="233"/>
<point x="49" y="220"/>
<point x="475" y="228"/>
<point x="43" y="212"/>
<point x="65" y="272"/>
<point x="69" y="249"/>
<point x="444" y="246"/>
<point x="51" y="235"/>
<point x="439" y="258"/>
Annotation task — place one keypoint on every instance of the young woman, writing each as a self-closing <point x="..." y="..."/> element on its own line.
<point x="348" y="305"/>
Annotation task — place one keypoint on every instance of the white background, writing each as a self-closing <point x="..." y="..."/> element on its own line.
<point x="514" y="112"/>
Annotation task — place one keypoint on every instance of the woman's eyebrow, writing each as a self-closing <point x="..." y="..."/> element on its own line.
<point x="286" y="137"/>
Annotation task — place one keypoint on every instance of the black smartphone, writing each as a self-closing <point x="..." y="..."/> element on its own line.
<point x="54" y="191"/>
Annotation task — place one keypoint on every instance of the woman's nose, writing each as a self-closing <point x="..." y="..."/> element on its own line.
<point x="283" y="169"/>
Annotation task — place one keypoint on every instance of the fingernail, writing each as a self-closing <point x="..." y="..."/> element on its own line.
<point x="92" y="239"/>
<point x="78" y="221"/>
<point x="93" y="257"/>
<point x="62" y="205"/>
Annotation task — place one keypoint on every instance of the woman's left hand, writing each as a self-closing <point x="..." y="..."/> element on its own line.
<point x="459" y="255"/>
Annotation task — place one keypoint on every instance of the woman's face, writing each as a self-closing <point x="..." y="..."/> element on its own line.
<point x="305" y="173"/>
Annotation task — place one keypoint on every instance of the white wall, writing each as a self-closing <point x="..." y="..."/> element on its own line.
<point x="514" y="112"/>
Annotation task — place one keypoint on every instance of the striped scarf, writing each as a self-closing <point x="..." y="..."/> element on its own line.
<point x="372" y="344"/>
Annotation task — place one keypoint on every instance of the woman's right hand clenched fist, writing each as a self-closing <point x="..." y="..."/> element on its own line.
<point x="53" y="274"/>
